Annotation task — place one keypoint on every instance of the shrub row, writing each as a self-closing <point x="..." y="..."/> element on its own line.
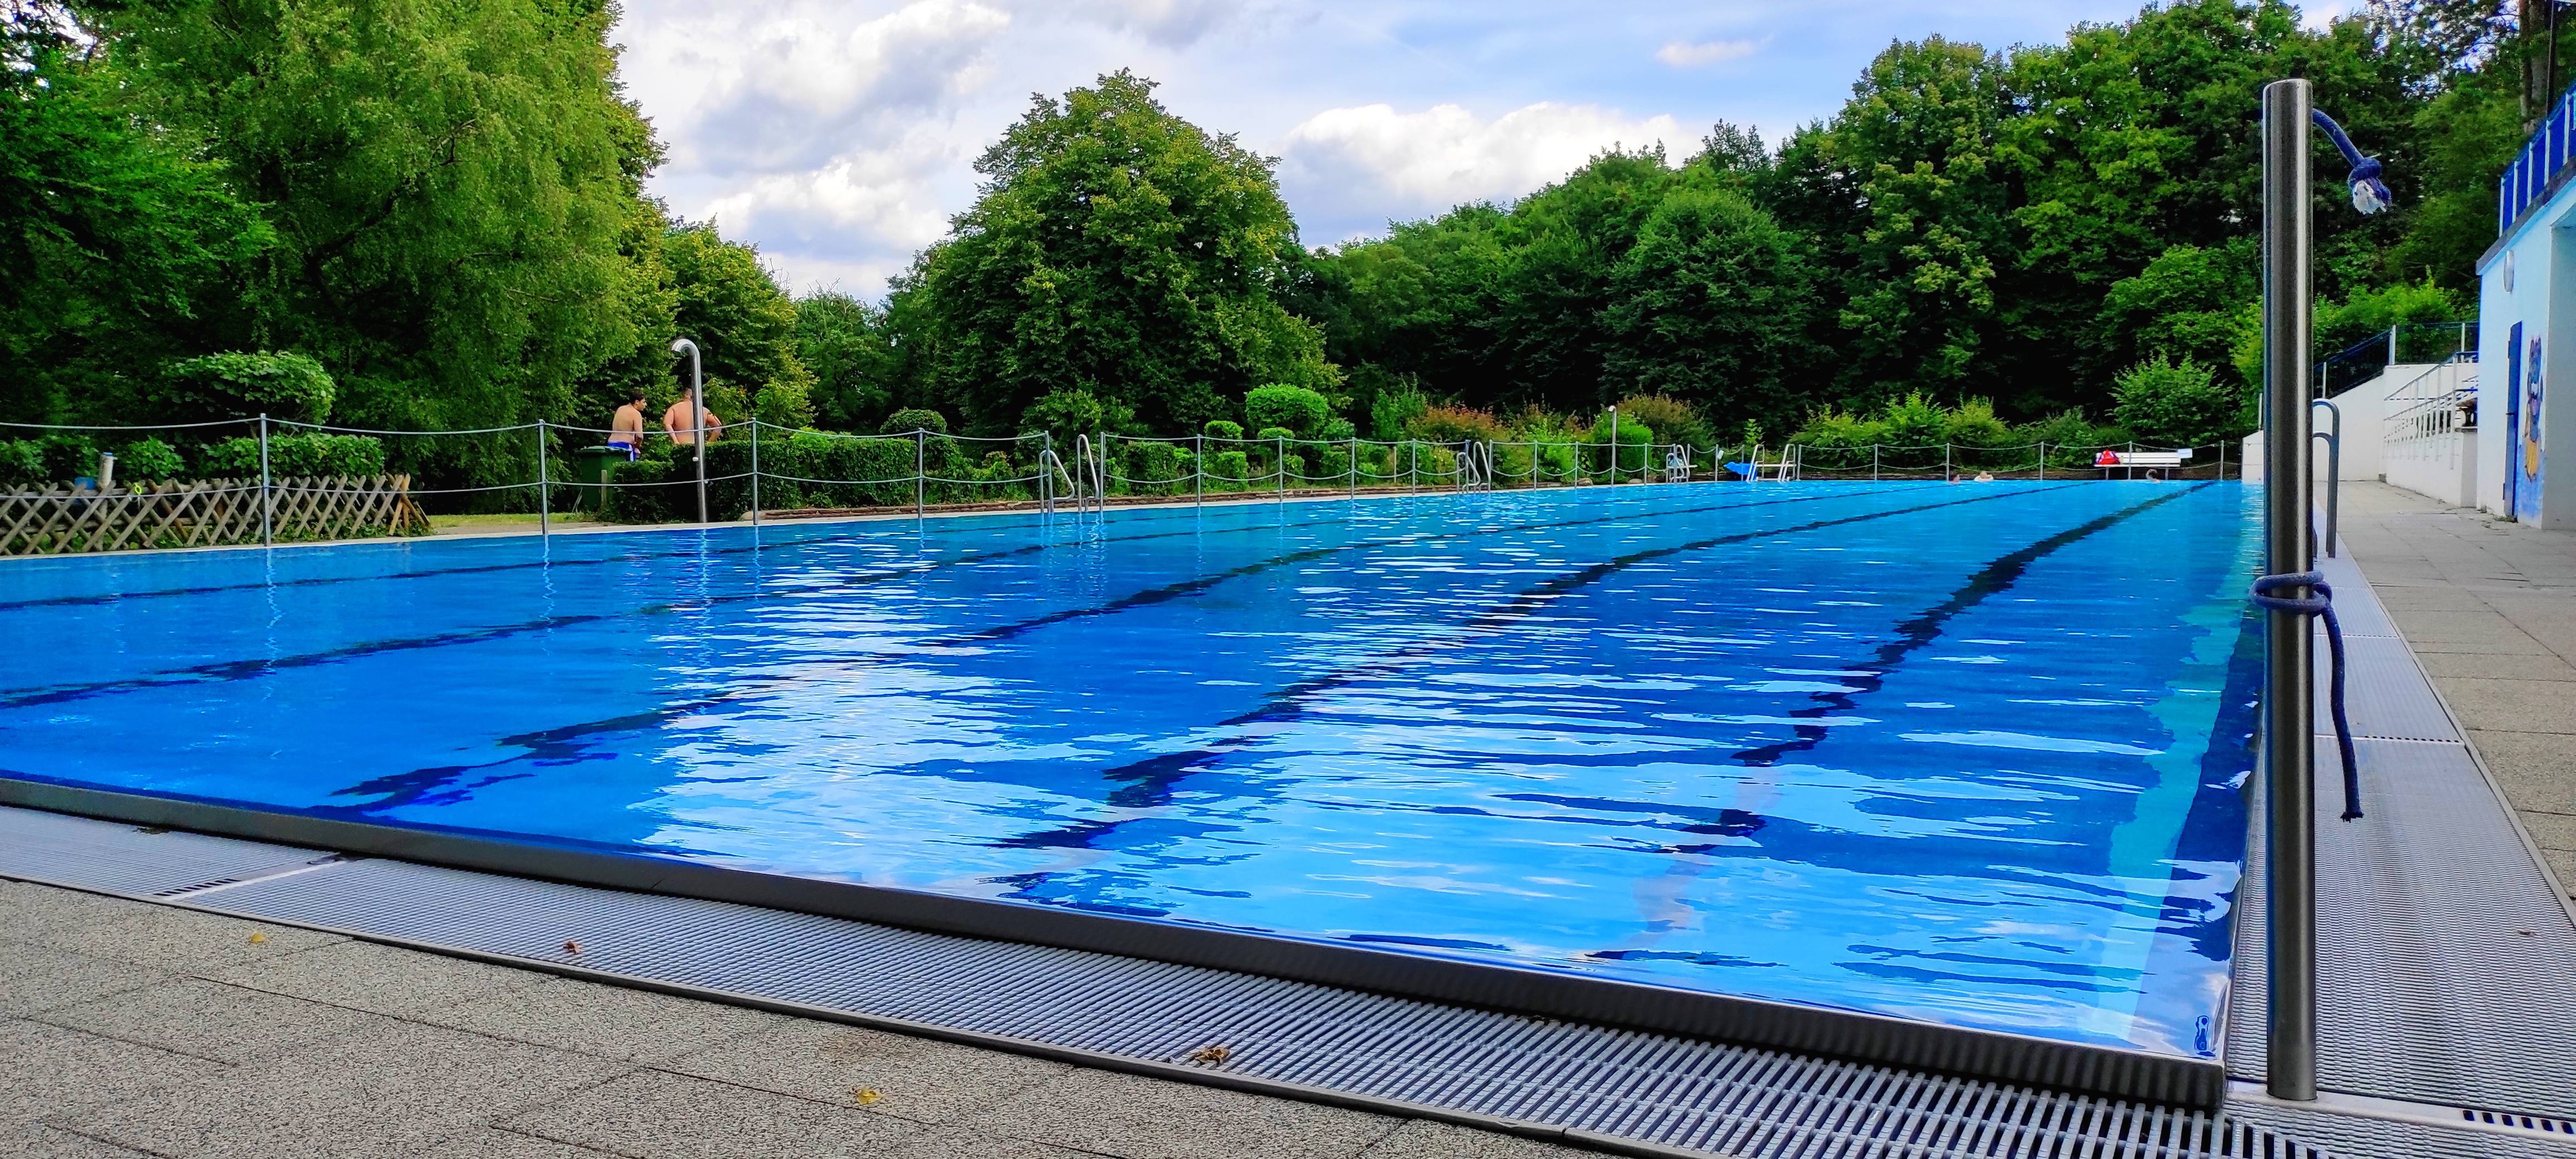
<point x="65" y="456"/>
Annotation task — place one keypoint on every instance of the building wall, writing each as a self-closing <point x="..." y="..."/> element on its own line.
<point x="2527" y="349"/>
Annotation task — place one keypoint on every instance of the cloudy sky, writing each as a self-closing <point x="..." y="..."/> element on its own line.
<point x="839" y="135"/>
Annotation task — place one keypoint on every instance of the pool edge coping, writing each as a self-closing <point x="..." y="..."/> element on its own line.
<point x="1863" y="1037"/>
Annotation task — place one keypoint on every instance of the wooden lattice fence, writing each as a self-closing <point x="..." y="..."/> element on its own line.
<point x="206" y="512"/>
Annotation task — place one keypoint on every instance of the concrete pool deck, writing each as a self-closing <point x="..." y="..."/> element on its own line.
<point x="131" y="1029"/>
<point x="2490" y="610"/>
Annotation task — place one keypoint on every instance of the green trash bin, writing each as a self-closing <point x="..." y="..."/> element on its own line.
<point x="590" y="467"/>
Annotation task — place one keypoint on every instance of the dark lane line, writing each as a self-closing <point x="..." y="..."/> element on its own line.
<point x="227" y="670"/>
<point x="563" y="744"/>
<point x="1148" y="782"/>
<point x="105" y="598"/>
<point x="1911" y="636"/>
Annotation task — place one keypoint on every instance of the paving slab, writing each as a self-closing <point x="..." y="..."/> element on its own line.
<point x="401" y="1092"/>
<point x="609" y="1021"/>
<point x="1422" y="1139"/>
<point x="42" y="1142"/>
<point x="36" y="977"/>
<point x="2536" y="770"/>
<point x="2489" y="665"/>
<point x="382" y="979"/>
<point x="913" y="1078"/>
<point x="46" y="1070"/>
<point x="1133" y="1117"/>
<point x="212" y="1020"/>
<point x="2485" y="704"/>
<point x="653" y="1114"/>
<point x="494" y="1143"/>
<point x="168" y="938"/>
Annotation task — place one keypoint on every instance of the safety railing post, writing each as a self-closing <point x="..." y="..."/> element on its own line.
<point x="920" y="471"/>
<point x="545" y="500"/>
<point x="2288" y="749"/>
<point x="1947" y="470"/>
<point x="2043" y="460"/>
<point x="1355" y="466"/>
<point x="1198" y="478"/>
<point x="1873" y="462"/>
<point x="267" y="504"/>
<point x="2334" y="468"/>
<point x="1279" y="457"/>
<point x="755" y="471"/>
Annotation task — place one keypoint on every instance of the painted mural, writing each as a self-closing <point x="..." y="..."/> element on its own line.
<point x="2530" y="458"/>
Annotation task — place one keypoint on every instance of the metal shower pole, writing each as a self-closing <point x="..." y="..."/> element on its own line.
<point x="544" y="501"/>
<point x="2289" y="712"/>
<point x="697" y="415"/>
<point x="266" y="505"/>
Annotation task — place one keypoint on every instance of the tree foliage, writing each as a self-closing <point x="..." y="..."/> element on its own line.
<point x="1116" y="251"/>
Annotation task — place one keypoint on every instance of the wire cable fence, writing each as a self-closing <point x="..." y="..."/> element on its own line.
<point x="759" y="470"/>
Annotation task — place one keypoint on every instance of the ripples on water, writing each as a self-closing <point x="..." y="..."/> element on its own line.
<point x="1960" y="753"/>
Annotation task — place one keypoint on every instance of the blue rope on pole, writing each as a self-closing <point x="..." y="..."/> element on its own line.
<point x="2369" y="193"/>
<point x="2320" y="602"/>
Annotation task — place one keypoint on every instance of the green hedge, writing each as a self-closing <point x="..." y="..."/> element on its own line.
<point x="294" y="456"/>
<point x="811" y="469"/>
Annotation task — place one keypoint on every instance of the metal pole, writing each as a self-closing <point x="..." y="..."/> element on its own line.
<point x="2043" y="460"/>
<point x="2289" y="752"/>
<point x="2222" y="460"/>
<point x="755" y="471"/>
<point x="1945" y="460"/>
<point x="1873" y="462"/>
<point x="698" y="415"/>
<point x="920" y="469"/>
<point x="544" y="503"/>
<point x="1355" y="466"/>
<point x="2334" y="469"/>
<point x="1280" y="453"/>
<point x="1614" y="444"/>
<point x="267" y="505"/>
<point x="1198" y="479"/>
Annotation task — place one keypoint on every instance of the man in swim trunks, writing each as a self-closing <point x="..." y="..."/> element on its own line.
<point x="626" y="431"/>
<point x="682" y="421"/>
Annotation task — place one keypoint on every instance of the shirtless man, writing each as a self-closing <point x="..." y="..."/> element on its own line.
<point x="681" y="423"/>
<point x="626" y="431"/>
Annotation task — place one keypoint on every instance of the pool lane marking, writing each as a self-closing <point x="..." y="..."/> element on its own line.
<point x="221" y="671"/>
<point x="1149" y="780"/>
<point x="1745" y="818"/>
<point x="1918" y="633"/>
<point x="105" y="598"/>
<point x="559" y="744"/>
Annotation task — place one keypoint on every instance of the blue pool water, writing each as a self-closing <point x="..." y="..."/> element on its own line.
<point x="1961" y="753"/>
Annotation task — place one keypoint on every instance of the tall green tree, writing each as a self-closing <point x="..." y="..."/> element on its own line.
<point x="1119" y="251"/>
<point x="115" y="235"/>
<point x="1712" y="306"/>
<point x="451" y="188"/>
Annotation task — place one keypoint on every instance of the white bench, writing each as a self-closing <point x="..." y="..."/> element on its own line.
<point x="2164" y="459"/>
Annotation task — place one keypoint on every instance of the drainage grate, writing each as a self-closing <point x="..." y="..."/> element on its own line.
<point x="124" y="859"/>
<point x="1622" y="1090"/>
<point x="2446" y="965"/>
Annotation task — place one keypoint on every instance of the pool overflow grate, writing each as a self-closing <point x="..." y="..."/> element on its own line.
<point x="1614" y="1089"/>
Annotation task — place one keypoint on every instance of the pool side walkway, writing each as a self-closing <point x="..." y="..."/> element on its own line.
<point x="131" y="1029"/>
<point x="2490" y="610"/>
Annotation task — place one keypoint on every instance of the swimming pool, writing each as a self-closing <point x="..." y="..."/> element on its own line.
<point x="1968" y="755"/>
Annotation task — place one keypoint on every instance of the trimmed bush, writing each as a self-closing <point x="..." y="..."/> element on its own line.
<point x="910" y="419"/>
<point x="293" y="456"/>
<point x="1226" y="470"/>
<point x="280" y="384"/>
<point x="148" y="461"/>
<point x="1299" y="410"/>
<point x="1223" y="429"/>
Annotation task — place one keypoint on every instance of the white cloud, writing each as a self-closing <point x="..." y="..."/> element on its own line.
<point x="1684" y="54"/>
<point x="1446" y="155"/>
<point x="1164" y="23"/>
<point x="760" y="86"/>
